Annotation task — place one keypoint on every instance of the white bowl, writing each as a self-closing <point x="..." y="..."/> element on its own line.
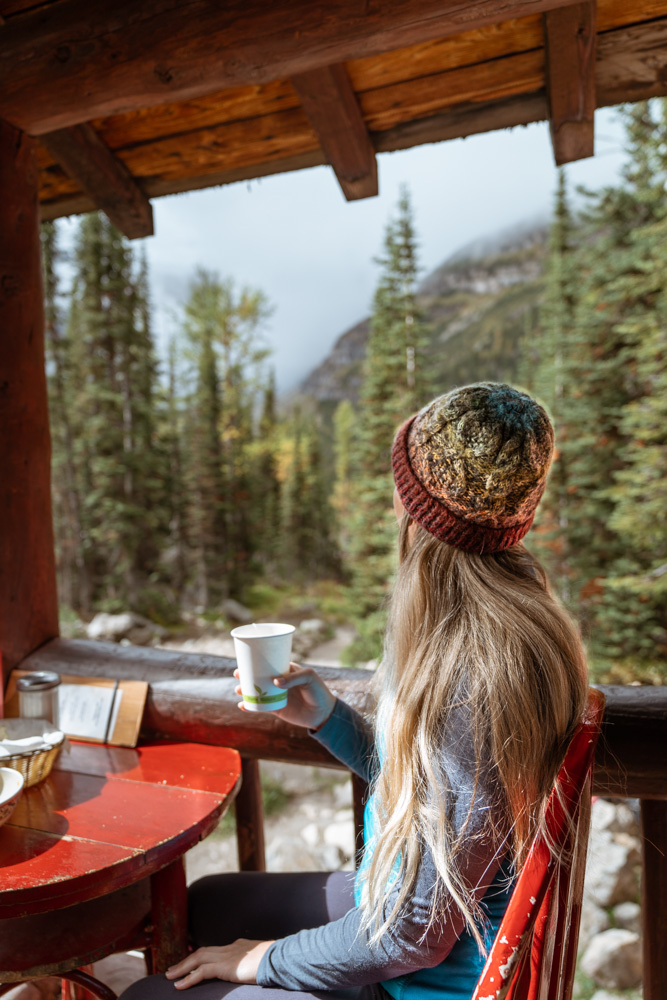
<point x="11" y="788"/>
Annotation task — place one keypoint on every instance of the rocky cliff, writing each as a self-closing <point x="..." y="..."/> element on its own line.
<point x="476" y="305"/>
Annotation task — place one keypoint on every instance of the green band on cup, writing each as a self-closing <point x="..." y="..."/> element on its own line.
<point x="264" y="699"/>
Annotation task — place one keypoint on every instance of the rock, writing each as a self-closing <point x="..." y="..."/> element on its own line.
<point x="610" y="871"/>
<point x="331" y="858"/>
<point x="341" y="835"/>
<point x="136" y="629"/>
<point x="312" y="625"/>
<point x="342" y="794"/>
<point x="613" y="817"/>
<point x="628" y="916"/>
<point x="613" y="959"/>
<point x="593" y="921"/>
<point x="286" y="854"/>
<point x="311" y="834"/>
<point x="236" y="612"/>
<point x="120" y="971"/>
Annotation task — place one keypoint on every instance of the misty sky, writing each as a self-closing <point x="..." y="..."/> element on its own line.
<point x="296" y="238"/>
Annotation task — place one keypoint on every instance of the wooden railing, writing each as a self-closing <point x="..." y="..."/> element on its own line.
<point x="191" y="697"/>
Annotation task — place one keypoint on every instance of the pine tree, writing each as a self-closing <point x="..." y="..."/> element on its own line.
<point x="546" y="372"/>
<point x="393" y="388"/>
<point x="221" y="327"/>
<point x="113" y="378"/>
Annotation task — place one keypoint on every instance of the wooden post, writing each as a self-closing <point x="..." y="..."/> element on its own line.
<point x="359" y="797"/>
<point x="654" y="904"/>
<point x="249" y="811"/>
<point x="28" y="600"/>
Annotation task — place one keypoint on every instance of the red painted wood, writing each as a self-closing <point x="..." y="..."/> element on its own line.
<point x="28" y="599"/>
<point x="184" y="765"/>
<point x="530" y="957"/>
<point x="78" y="835"/>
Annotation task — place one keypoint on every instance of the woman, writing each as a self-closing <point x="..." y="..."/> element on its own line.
<point x="482" y="683"/>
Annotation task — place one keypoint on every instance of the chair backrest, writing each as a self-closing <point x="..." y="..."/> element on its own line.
<point x="534" y="954"/>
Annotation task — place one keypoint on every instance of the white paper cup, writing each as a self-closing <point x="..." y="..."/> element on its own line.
<point x="262" y="653"/>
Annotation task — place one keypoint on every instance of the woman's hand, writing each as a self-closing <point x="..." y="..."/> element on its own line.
<point x="235" y="963"/>
<point x="309" y="700"/>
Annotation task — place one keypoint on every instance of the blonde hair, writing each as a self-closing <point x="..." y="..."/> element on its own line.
<point x="483" y="634"/>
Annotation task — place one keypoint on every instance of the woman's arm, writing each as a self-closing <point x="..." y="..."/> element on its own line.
<point x="340" y="954"/>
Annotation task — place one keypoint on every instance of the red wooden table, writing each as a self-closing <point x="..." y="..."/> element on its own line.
<point x="91" y="861"/>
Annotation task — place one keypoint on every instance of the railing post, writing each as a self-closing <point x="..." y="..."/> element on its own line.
<point x="654" y="897"/>
<point x="250" y="819"/>
<point x="359" y="795"/>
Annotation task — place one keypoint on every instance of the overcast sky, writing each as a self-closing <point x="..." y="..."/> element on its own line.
<point x="295" y="237"/>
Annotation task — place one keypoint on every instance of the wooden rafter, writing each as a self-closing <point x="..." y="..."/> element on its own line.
<point x="103" y="177"/>
<point x="331" y="105"/>
<point x="63" y="67"/>
<point x="570" y="40"/>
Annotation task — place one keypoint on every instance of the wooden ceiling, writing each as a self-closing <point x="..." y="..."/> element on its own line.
<point x="133" y="99"/>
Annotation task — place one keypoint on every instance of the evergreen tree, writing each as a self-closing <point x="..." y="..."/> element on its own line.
<point x="113" y="378"/>
<point x="393" y="388"/>
<point x="343" y="446"/>
<point x="546" y="372"/>
<point x="221" y="327"/>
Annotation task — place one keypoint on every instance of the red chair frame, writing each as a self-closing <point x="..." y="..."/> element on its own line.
<point x="534" y="954"/>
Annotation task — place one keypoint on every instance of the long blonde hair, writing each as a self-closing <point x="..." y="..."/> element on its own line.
<point x="485" y="634"/>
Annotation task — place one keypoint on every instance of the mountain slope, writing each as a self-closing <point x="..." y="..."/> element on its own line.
<point x="477" y="305"/>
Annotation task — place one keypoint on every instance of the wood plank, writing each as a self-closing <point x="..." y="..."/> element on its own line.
<point x="437" y="55"/>
<point x="462" y="121"/>
<point x="28" y="598"/>
<point x="327" y="97"/>
<point x="654" y="903"/>
<point x="237" y="144"/>
<point x="231" y="105"/>
<point x="491" y="81"/>
<point x="632" y="63"/>
<point x="191" y="696"/>
<point x="570" y="38"/>
<point x="61" y="67"/>
<point x="103" y="177"/>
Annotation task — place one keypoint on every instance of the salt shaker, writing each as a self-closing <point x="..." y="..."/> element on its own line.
<point x="38" y="695"/>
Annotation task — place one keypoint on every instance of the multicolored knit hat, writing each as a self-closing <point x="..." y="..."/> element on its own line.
<point x="472" y="465"/>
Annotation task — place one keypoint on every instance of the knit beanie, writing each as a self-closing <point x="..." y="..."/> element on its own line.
<point x="472" y="465"/>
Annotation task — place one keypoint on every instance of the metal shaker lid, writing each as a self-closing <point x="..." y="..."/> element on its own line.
<point x="41" y="680"/>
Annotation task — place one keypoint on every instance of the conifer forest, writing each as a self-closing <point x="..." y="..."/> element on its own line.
<point x="183" y="481"/>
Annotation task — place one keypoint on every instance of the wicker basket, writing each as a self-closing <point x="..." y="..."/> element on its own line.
<point x="34" y="765"/>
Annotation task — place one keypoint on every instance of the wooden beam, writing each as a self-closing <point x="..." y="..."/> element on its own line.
<point x="103" y="177"/>
<point x="28" y="600"/>
<point x="331" y="105"/>
<point x="191" y="697"/>
<point x="570" y="40"/>
<point x="59" y="66"/>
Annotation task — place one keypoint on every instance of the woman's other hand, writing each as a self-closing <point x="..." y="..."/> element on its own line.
<point x="235" y="963"/>
<point x="309" y="700"/>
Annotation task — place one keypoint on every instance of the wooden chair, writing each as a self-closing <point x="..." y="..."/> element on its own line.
<point x="534" y="954"/>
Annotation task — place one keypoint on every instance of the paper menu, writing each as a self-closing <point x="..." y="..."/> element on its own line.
<point x="96" y="709"/>
<point x="88" y="711"/>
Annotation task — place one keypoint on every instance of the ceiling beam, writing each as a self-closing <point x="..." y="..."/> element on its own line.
<point x="61" y="64"/>
<point x="570" y="38"/>
<point x="331" y="105"/>
<point x="103" y="177"/>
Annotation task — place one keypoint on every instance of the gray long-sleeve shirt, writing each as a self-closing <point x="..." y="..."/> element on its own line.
<point x="340" y="953"/>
